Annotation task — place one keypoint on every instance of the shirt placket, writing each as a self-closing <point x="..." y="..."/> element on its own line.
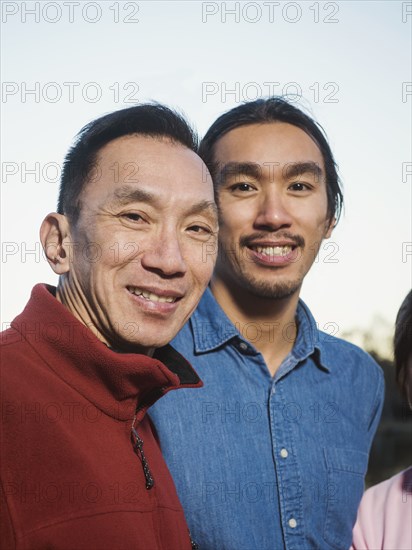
<point x="284" y="414"/>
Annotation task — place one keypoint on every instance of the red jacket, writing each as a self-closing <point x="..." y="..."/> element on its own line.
<point x="72" y="474"/>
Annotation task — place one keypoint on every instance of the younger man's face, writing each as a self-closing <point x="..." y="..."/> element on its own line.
<point x="272" y="202"/>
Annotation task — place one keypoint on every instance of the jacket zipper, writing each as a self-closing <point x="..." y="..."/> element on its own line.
<point x="137" y="443"/>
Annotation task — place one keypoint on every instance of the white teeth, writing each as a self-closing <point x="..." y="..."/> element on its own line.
<point x="274" y="250"/>
<point x="150" y="296"/>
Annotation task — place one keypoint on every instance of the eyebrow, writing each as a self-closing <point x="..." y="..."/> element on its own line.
<point x="251" y="169"/>
<point x="202" y="207"/>
<point x="299" y="168"/>
<point x="125" y="195"/>
<point x="254" y="170"/>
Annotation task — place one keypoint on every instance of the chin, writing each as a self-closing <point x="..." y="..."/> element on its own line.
<point x="275" y="291"/>
<point x="144" y="332"/>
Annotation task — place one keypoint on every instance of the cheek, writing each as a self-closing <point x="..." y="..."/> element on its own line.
<point x="122" y="252"/>
<point x="232" y="222"/>
<point x="200" y="259"/>
<point x="313" y="220"/>
<point x="325" y="228"/>
<point x="121" y="248"/>
<point x="202" y="264"/>
<point x="241" y="206"/>
<point x="89" y="251"/>
<point x="237" y="218"/>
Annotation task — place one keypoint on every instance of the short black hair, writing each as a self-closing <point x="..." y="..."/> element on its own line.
<point x="146" y="119"/>
<point x="402" y="344"/>
<point x="276" y="109"/>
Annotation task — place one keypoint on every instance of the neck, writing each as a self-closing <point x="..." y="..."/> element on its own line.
<point x="267" y="323"/>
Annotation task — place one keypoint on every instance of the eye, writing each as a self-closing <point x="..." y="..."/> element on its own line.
<point x="201" y="232"/>
<point x="200" y="229"/>
<point x="298" y="186"/>
<point x="243" y="187"/>
<point x="132" y="216"/>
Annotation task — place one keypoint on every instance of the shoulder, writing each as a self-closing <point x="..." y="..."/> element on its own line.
<point x="12" y="346"/>
<point x="9" y="338"/>
<point x="347" y="353"/>
<point x="16" y="356"/>
<point x="353" y="368"/>
<point x="336" y="353"/>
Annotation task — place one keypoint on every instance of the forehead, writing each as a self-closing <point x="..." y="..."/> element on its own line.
<point x="158" y="165"/>
<point x="147" y="153"/>
<point x="273" y="142"/>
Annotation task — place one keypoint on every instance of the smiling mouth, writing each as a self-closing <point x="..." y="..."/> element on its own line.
<point x="151" y="296"/>
<point x="275" y="251"/>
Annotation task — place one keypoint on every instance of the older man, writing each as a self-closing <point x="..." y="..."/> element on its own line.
<point x="80" y="465"/>
<point x="280" y="433"/>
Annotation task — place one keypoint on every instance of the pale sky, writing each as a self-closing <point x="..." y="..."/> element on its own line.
<point x="348" y="63"/>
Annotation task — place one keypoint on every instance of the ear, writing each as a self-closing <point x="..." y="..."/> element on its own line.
<point x="329" y="227"/>
<point x="56" y="242"/>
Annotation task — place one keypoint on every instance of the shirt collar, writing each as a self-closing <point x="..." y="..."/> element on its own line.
<point x="309" y="341"/>
<point x="211" y="326"/>
<point x="213" y="329"/>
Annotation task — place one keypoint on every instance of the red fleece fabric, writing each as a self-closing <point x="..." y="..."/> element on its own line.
<point x="69" y="474"/>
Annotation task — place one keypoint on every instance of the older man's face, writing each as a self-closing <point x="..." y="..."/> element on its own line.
<point x="139" y="265"/>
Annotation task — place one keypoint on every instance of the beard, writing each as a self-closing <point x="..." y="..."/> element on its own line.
<point x="274" y="290"/>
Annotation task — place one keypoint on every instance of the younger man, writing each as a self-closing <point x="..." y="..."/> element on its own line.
<point x="271" y="453"/>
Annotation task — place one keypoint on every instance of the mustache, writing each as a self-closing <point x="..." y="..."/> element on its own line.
<point x="250" y="240"/>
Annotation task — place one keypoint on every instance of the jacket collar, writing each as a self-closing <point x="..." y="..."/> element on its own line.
<point x="213" y="329"/>
<point x="116" y="383"/>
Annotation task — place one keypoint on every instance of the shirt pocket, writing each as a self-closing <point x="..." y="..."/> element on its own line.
<point x="346" y="469"/>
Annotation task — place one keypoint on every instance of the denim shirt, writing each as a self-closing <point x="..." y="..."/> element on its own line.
<point x="262" y="462"/>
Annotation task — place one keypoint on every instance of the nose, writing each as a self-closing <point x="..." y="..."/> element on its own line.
<point x="273" y="213"/>
<point x="164" y="256"/>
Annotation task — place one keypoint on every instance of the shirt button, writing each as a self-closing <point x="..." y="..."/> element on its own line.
<point x="284" y="453"/>
<point x="243" y="346"/>
<point x="292" y="523"/>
